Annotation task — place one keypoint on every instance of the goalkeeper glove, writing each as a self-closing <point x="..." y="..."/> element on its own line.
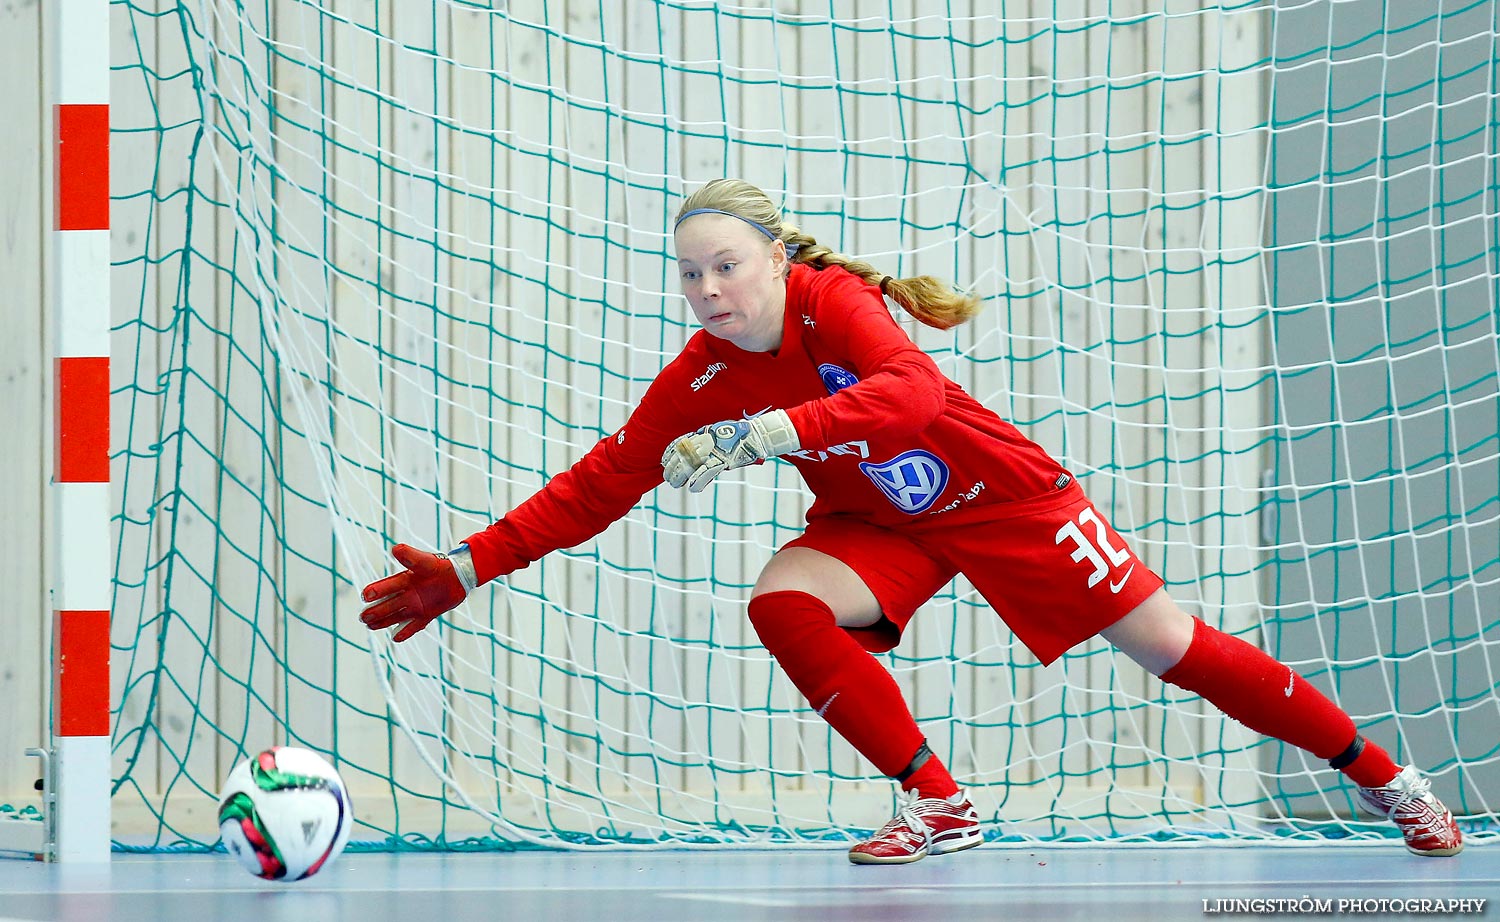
<point x="430" y="585"/>
<point x="697" y="458"/>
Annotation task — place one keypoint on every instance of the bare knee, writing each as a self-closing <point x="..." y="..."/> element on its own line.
<point x="1155" y="634"/>
<point x="800" y="569"/>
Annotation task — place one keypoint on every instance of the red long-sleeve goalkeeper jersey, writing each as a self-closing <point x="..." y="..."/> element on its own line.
<point x="885" y="436"/>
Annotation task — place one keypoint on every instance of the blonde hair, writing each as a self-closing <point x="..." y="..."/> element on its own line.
<point x="930" y="300"/>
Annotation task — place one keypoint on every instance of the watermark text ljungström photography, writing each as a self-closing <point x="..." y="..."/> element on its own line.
<point x="1339" y="906"/>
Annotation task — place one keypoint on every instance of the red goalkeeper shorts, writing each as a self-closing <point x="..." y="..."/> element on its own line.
<point x="1052" y="567"/>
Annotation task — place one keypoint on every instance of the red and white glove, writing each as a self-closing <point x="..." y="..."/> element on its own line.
<point x="431" y="585"/>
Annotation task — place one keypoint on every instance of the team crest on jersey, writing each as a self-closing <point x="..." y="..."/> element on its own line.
<point x="835" y="378"/>
<point x="913" y="480"/>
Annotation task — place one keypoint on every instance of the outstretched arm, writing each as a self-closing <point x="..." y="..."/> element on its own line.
<point x="573" y="507"/>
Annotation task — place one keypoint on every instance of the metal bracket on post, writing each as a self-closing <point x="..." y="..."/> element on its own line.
<point x="1268" y="508"/>
<point x="33" y="837"/>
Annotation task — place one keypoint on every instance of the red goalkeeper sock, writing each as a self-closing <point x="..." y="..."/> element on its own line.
<point x="1366" y="764"/>
<point x="928" y="776"/>
<point x="1270" y="698"/>
<point x="847" y="687"/>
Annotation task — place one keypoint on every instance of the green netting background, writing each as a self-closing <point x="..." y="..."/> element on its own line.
<point x="382" y="268"/>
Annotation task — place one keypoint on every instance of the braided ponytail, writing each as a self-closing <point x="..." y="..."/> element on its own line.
<point x="928" y="299"/>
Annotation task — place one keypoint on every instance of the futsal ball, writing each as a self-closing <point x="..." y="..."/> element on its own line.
<point x="284" y="813"/>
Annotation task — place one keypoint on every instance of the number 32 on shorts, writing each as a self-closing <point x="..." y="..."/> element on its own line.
<point x="1086" y="549"/>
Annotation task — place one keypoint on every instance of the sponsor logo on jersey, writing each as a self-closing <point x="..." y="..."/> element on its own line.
<point x="836" y="378"/>
<point x="912" y="481"/>
<point x="859" y="448"/>
<point x="708" y="374"/>
<point x="964" y="497"/>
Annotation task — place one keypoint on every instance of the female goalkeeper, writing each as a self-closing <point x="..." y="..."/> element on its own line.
<point x="915" y="482"/>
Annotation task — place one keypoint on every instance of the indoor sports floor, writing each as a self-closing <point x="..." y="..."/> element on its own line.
<point x="1026" y="884"/>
